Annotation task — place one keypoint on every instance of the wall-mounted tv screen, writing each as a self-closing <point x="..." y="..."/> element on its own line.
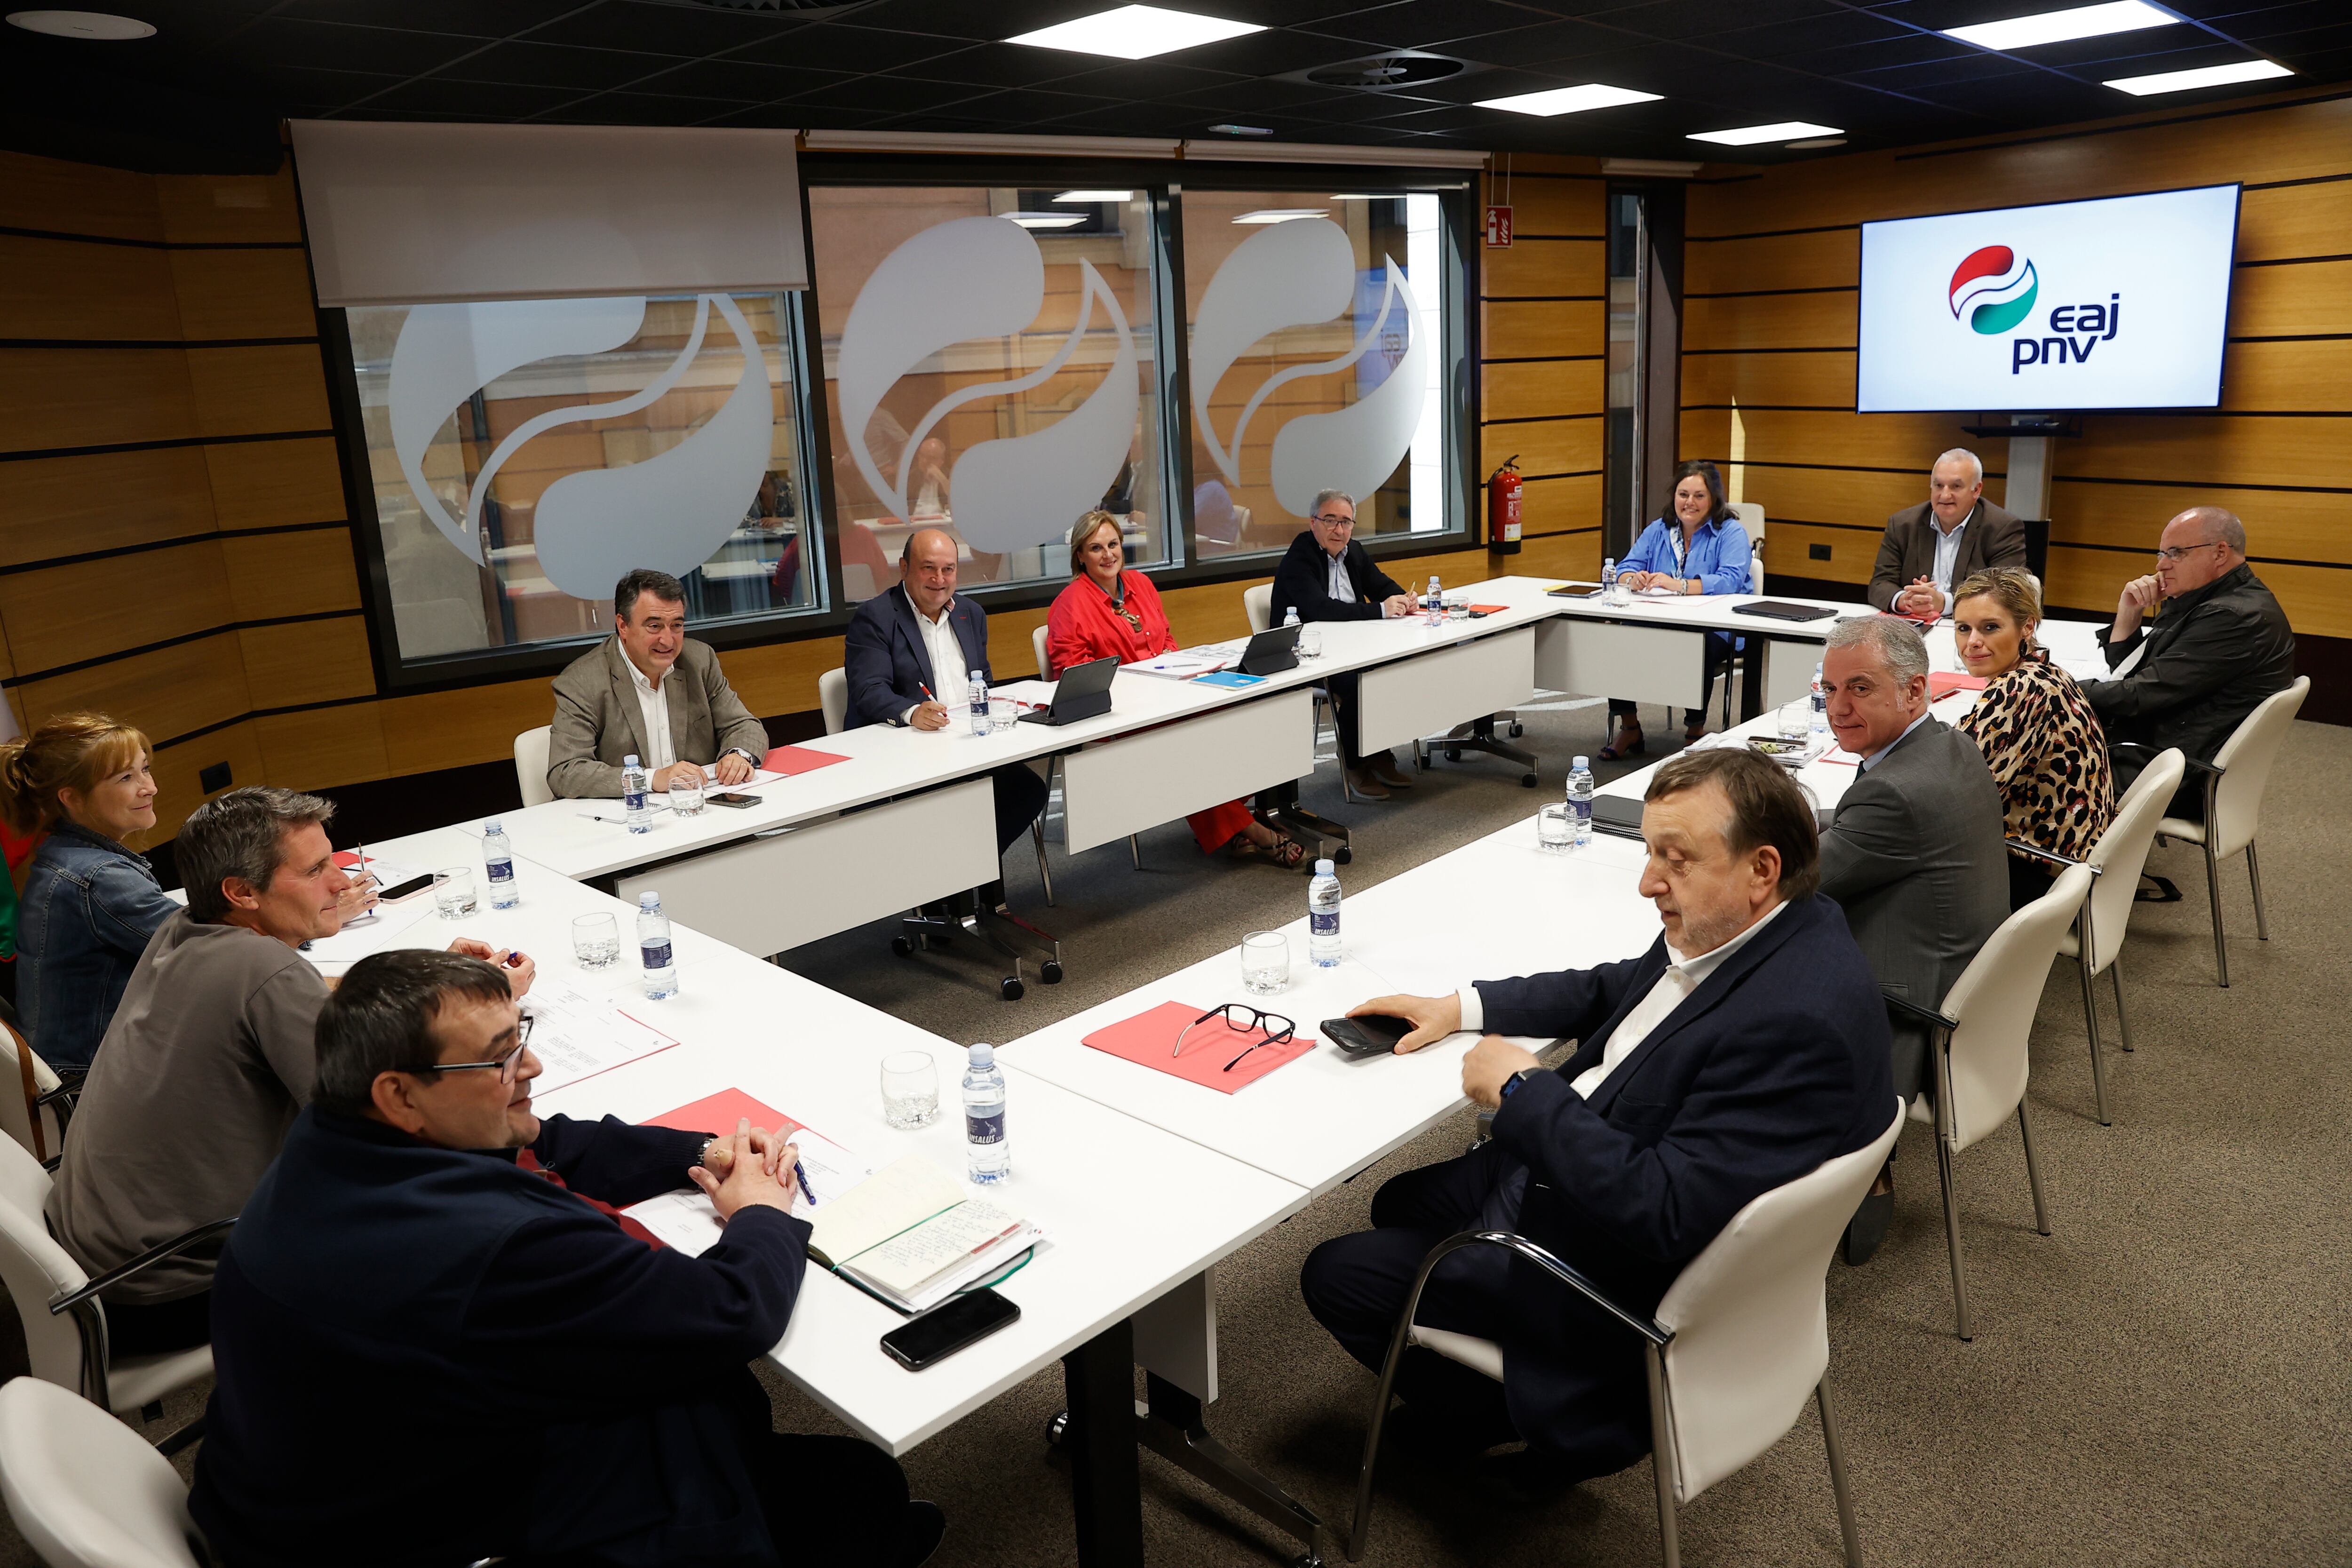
<point x="2116" y="303"/>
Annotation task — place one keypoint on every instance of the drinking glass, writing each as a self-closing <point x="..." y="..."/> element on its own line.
<point x="1266" y="962"/>
<point x="1002" y="714"/>
<point x="685" y="795"/>
<point x="911" y="1089"/>
<point x="1796" y="720"/>
<point x="595" y="940"/>
<point x="453" y="895"/>
<point x="1310" y="641"/>
<point x="1556" y="828"/>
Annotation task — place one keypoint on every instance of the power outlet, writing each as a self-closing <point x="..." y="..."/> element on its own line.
<point x="213" y="779"/>
<point x="1817" y="552"/>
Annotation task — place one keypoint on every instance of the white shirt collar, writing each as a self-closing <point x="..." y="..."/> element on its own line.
<point x="637" y="676"/>
<point x="1966" y="517"/>
<point x="940" y="619"/>
<point x="1705" y="964"/>
<point x="1871" y="761"/>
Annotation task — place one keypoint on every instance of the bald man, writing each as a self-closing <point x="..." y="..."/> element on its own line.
<point x="909" y="657"/>
<point x="2219" y="646"/>
<point x="1955" y="531"/>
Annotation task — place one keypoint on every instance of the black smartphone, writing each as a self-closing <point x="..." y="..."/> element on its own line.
<point x="1371" y="1033"/>
<point x="414" y="885"/>
<point x="948" y="1328"/>
<point x="737" y="801"/>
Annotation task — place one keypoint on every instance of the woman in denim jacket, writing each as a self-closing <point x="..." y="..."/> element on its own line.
<point x="89" y="904"/>
<point x="1700" y="547"/>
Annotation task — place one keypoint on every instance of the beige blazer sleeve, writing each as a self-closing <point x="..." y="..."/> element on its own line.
<point x="721" y="722"/>
<point x="591" y="732"/>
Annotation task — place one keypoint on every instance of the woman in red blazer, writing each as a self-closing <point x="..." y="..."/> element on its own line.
<point x="1108" y="611"/>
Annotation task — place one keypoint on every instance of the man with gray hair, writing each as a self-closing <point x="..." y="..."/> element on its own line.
<point x="2219" y="645"/>
<point x="1327" y="576"/>
<point x="208" y="1057"/>
<point x="1942" y="540"/>
<point x="1914" y="852"/>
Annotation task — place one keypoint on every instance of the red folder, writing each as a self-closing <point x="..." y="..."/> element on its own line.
<point x="791" y="759"/>
<point x="1489" y="609"/>
<point x="1147" y="1038"/>
<point x="1942" y="684"/>
<point x="721" y="1112"/>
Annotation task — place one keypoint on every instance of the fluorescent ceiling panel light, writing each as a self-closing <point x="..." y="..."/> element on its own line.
<point x="1279" y="215"/>
<point x="1569" y="100"/>
<point x="82" y="25"/>
<point x="2205" y="76"/>
<point x="1136" y="32"/>
<point x="1231" y="129"/>
<point x="1047" y="220"/>
<point x="2057" y="26"/>
<point x="1095" y="196"/>
<point x="1749" y="135"/>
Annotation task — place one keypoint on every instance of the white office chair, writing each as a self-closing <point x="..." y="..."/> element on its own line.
<point x="2234" y="784"/>
<point x="84" y="1489"/>
<point x="64" y="1325"/>
<point x="2096" y="940"/>
<point x="34" y="1116"/>
<point x="1738" y="1344"/>
<point x="1751" y="518"/>
<point x="832" y="697"/>
<point x="530" y="764"/>
<point x="1980" y="1057"/>
<point x="1037" y="640"/>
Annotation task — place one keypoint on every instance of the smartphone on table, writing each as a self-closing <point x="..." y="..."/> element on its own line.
<point x="729" y="798"/>
<point x="1371" y="1034"/>
<point x="948" y="1328"/>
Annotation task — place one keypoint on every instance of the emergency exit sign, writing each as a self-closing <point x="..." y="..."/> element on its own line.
<point x="1498" y="228"/>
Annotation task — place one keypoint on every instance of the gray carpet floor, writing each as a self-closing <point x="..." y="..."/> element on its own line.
<point x="2163" y="1381"/>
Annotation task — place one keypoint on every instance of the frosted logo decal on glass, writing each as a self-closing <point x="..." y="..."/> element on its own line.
<point x="1298" y="274"/>
<point x="979" y="278"/>
<point x="671" y="511"/>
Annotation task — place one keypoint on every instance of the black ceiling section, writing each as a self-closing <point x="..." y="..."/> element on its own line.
<point x="1878" y="69"/>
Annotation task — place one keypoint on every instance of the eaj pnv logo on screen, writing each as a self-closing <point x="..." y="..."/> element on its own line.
<point x="1994" y="291"/>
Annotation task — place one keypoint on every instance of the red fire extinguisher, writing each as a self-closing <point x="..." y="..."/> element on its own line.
<point x="1503" y="487"/>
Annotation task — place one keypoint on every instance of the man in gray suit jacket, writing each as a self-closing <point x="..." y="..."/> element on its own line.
<point x="1915" y="851"/>
<point x="1939" y="543"/>
<point x="653" y="693"/>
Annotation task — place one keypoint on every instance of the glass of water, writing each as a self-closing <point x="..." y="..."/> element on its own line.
<point x="1556" y="828"/>
<point x="1310" y="641"/>
<point x="911" y="1089"/>
<point x="596" y="942"/>
<point x="1002" y="714"/>
<point x="1796" y="720"/>
<point x="1266" y="962"/>
<point x="453" y="895"/>
<point x="685" y="795"/>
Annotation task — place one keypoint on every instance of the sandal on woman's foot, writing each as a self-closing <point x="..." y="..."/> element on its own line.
<point x="1285" y="852"/>
<point x="1625" y="743"/>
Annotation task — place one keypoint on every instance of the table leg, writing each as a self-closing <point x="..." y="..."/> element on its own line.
<point x="1106" y="1487"/>
<point x="1279" y="807"/>
<point x="1176" y="1429"/>
<point x="1751" y="679"/>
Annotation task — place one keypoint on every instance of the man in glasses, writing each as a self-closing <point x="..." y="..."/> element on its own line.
<point x="438" y="1340"/>
<point x="2219" y="646"/>
<point x="207" y="1059"/>
<point x="1327" y="576"/>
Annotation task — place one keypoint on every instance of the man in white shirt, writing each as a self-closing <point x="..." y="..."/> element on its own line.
<point x="1746" y="1046"/>
<point x="1952" y="534"/>
<point x="653" y="693"/>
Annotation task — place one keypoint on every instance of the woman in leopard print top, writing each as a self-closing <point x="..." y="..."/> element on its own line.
<point x="2035" y="727"/>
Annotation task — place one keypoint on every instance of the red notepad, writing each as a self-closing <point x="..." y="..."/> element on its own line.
<point x="1489" y="609"/>
<point x="791" y="759"/>
<point x="1147" y="1038"/>
<point x="719" y="1112"/>
<point x="1942" y="684"/>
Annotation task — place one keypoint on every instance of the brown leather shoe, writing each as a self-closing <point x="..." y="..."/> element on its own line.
<point x="1361" y="781"/>
<point x="1384" y="768"/>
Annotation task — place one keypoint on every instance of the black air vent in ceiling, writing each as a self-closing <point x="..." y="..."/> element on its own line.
<point x="1403" y="67"/>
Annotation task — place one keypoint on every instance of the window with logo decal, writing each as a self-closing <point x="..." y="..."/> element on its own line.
<point x="524" y="455"/>
<point x="990" y="357"/>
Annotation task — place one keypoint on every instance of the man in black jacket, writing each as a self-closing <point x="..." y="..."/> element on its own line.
<point x="2219" y="645"/>
<point x="1748" y="1046"/>
<point x="435" y="1342"/>
<point x="1327" y="577"/>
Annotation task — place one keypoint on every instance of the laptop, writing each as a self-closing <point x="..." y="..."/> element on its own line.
<point x="1084" y="692"/>
<point x="1781" y="610"/>
<point x="1271" y="651"/>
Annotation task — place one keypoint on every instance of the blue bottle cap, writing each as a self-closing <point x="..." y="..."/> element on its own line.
<point x="1324" y="869"/>
<point x="492" y="827"/>
<point x="648" y="901"/>
<point x="630" y="761"/>
<point x="983" y="1056"/>
<point x="1581" y="762"/>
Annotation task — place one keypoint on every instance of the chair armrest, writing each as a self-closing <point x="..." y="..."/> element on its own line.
<point x="1552" y="1265"/>
<point x="65" y="1301"/>
<point x="2146" y="754"/>
<point x="1911" y="1009"/>
<point x="2019" y="847"/>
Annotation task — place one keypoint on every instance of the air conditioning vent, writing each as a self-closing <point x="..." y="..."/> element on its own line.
<point x="1375" y="73"/>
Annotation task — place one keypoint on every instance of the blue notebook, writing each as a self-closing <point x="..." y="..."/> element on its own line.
<point x="1228" y="678"/>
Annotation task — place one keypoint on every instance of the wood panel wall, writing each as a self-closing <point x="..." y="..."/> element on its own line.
<point x="1768" y="362"/>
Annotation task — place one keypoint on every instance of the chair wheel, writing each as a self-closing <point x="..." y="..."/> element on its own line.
<point x="903" y="945"/>
<point x="1528" y="781"/>
<point x="1518" y="728"/>
<point x="1050" y="972"/>
<point x="1013" y="989"/>
<point x="1058" y="1429"/>
<point x="1342" y="855"/>
<point x="1453" y="754"/>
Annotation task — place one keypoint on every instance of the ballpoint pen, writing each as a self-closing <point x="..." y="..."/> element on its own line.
<point x="801" y="1175"/>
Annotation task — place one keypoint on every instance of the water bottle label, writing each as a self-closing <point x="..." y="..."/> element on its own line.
<point x="1320" y="923"/>
<point x="501" y="871"/>
<point x="656" y="955"/>
<point x="1580" y="809"/>
<point x="633" y="801"/>
<point x="987" y="1128"/>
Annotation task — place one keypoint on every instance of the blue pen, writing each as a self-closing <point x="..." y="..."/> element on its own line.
<point x="801" y="1175"/>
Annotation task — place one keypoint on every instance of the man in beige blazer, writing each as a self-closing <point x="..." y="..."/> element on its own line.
<point x="652" y="692"/>
<point x="1930" y="548"/>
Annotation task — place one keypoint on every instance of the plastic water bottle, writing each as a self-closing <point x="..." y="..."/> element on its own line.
<point x="1308" y="643"/>
<point x="653" y="944"/>
<point x="633" y="786"/>
<point x="1433" y="609"/>
<point x="978" y="680"/>
<point x="1580" y="800"/>
<point x="498" y="861"/>
<point x="1611" y="591"/>
<point x="1323" y="916"/>
<point x="983" y="1118"/>
<point x="1820" y="705"/>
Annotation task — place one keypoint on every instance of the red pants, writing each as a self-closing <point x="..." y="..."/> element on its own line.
<point x="1215" y="827"/>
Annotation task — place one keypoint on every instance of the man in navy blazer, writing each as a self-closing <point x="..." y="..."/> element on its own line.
<point x="1325" y="575"/>
<point x="1748" y="1046"/>
<point x="908" y="655"/>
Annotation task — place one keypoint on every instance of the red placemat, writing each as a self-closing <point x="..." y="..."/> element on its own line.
<point x="791" y="759"/>
<point x="1942" y="684"/>
<point x="1147" y="1038"/>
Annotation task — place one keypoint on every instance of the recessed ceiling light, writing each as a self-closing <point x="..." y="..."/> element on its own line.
<point x="1047" y="220"/>
<point x="1279" y="215"/>
<point x="1242" y="129"/>
<point x="81" y="25"/>
<point x="1095" y="196"/>
<point x="1136" y="32"/>
<point x="1749" y="135"/>
<point x="1569" y="100"/>
<point x="2205" y="76"/>
<point x="2057" y="26"/>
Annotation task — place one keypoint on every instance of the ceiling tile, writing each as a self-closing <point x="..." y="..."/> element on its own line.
<point x="739" y="81"/>
<point x="689" y="31"/>
<point x="472" y="99"/>
<point x="278" y="41"/>
<point x="553" y="64"/>
<point x="838" y="47"/>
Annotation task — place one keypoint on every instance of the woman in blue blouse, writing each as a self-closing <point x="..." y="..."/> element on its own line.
<point x="1701" y="549"/>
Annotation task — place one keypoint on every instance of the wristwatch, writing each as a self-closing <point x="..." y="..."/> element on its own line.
<point x="703" y="1153"/>
<point x="1511" y="1084"/>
